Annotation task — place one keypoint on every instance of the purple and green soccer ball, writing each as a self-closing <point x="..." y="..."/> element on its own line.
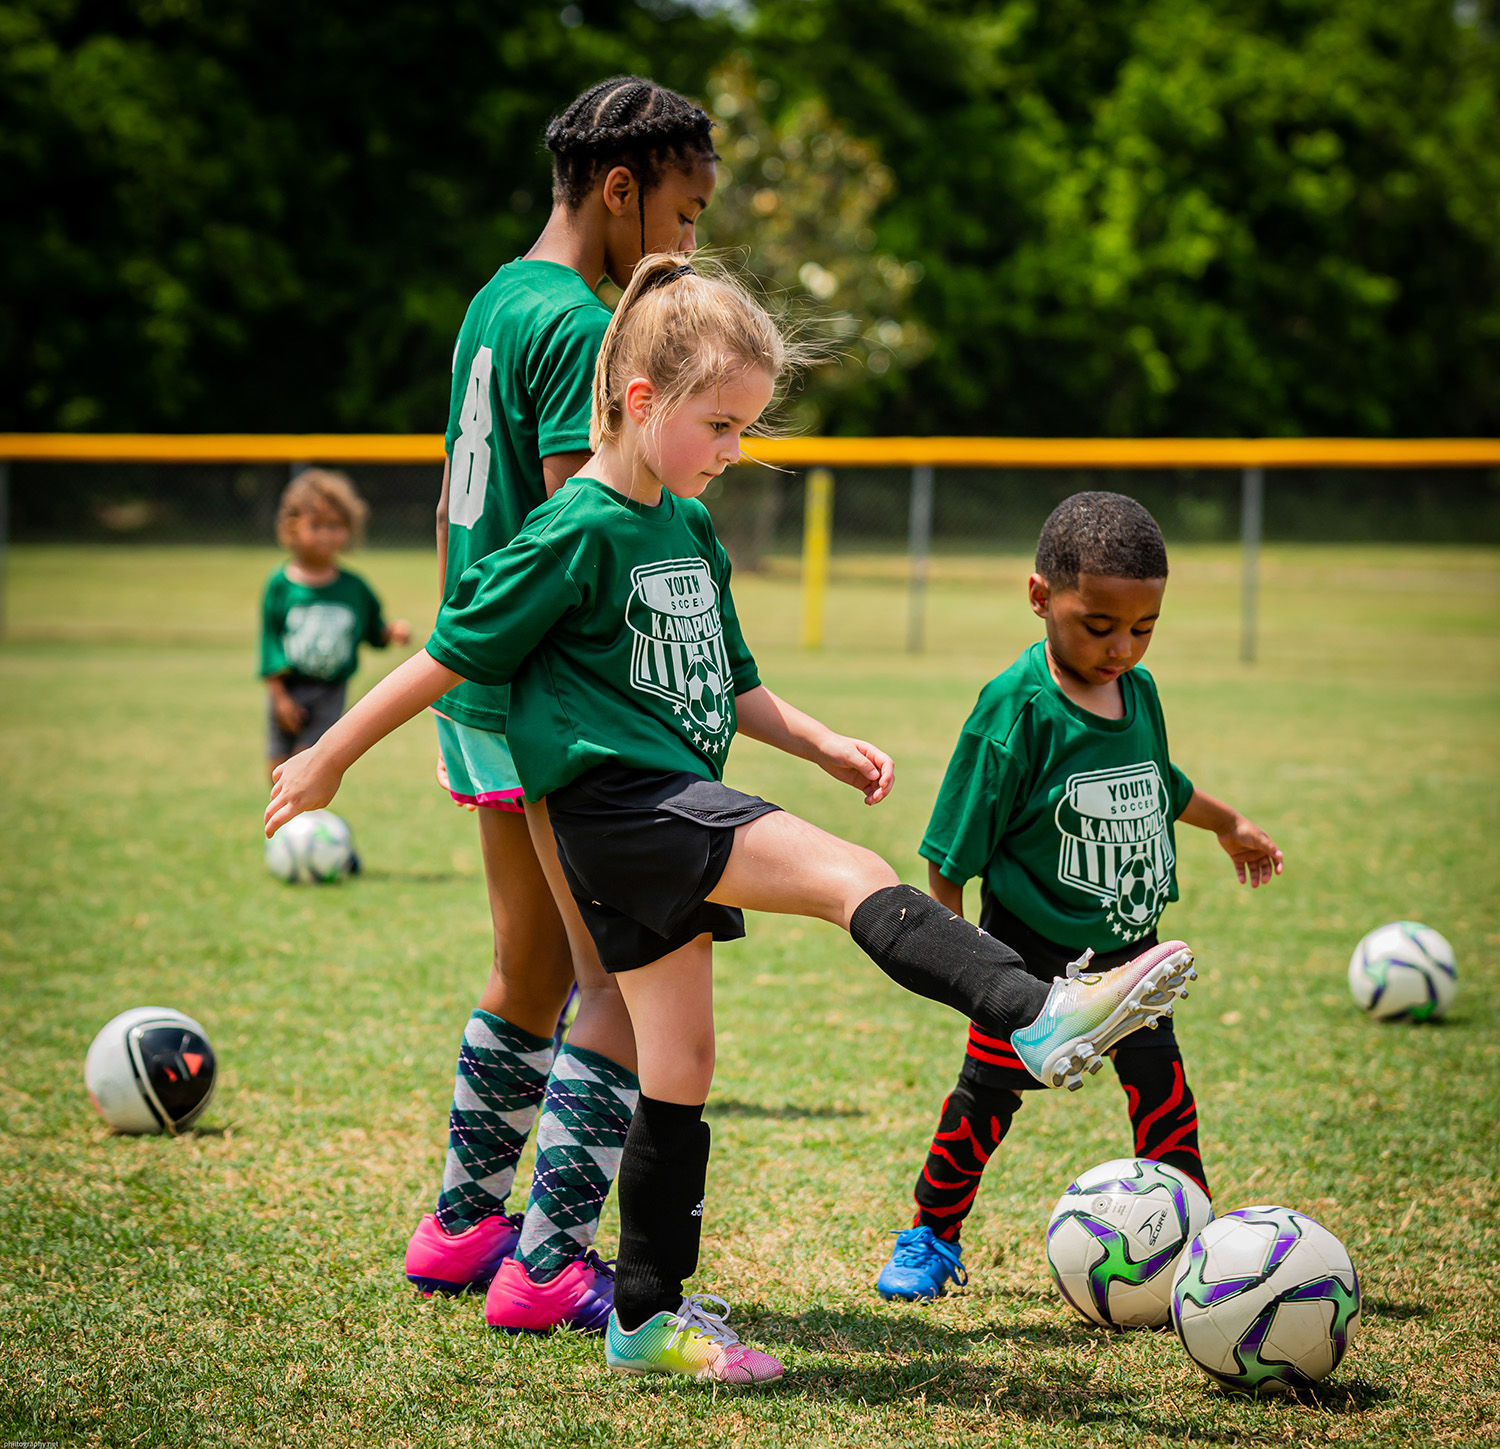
<point x="1403" y="971"/>
<point x="1115" y="1236"/>
<point x="1265" y="1300"/>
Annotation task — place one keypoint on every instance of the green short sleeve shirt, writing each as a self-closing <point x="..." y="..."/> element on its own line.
<point x="614" y="625"/>
<point x="1067" y="817"/>
<point x="523" y="372"/>
<point x="315" y="633"/>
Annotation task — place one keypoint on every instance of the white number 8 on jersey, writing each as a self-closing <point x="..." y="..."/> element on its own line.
<point x="470" y="468"/>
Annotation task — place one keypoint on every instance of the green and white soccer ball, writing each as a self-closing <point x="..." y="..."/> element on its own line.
<point x="1114" y="1239"/>
<point x="316" y="846"/>
<point x="1266" y="1300"/>
<point x="705" y="694"/>
<point x="1403" y="972"/>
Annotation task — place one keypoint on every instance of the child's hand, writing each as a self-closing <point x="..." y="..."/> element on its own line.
<point x="304" y="782"/>
<point x="442" y="778"/>
<point x="860" y="764"/>
<point x="290" y="715"/>
<point x="1255" y="855"/>
<point x="398" y="631"/>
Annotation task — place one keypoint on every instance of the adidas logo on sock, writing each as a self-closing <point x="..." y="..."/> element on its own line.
<point x="698" y="1211"/>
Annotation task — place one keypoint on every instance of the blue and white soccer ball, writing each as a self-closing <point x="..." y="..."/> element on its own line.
<point x="1115" y="1236"/>
<point x="317" y="846"/>
<point x="1403" y="972"/>
<point x="1266" y="1300"/>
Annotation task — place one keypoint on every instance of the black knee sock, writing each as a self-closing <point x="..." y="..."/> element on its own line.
<point x="661" y="1182"/>
<point x="1163" y="1114"/>
<point x="927" y="949"/>
<point x="975" y="1119"/>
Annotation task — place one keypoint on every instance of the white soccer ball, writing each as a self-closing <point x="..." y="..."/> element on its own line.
<point x="150" y="1069"/>
<point x="1266" y="1299"/>
<point x="1114" y="1239"/>
<point x="316" y="846"/>
<point x="1403" y="972"/>
<point x="705" y="693"/>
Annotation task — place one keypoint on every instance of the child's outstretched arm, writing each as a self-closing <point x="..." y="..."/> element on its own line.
<point x="773" y="721"/>
<point x="310" y="780"/>
<point x="1255" y="855"/>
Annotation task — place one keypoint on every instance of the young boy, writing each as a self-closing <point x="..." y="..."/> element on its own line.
<point x="315" y="615"/>
<point x="1061" y="796"/>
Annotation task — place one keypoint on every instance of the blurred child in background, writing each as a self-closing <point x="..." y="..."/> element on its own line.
<point x="314" y="614"/>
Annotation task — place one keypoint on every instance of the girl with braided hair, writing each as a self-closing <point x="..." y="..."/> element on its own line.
<point x="633" y="167"/>
<point x="610" y="614"/>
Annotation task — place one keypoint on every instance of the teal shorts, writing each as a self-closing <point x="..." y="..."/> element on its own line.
<point x="480" y="769"/>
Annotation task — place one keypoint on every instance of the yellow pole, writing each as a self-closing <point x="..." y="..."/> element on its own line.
<point x="817" y="530"/>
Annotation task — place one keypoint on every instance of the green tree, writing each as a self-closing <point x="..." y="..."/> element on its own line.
<point x="797" y="200"/>
<point x="1179" y="216"/>
<point x="260" y="215"/>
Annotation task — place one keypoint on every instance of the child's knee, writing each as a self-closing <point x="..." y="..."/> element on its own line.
<point x="867" y="873"/>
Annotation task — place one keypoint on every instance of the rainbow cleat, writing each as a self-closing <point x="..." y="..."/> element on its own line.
<point x="1087" y="1014"/>
<point x="441" y="1262"/>
<point x="691" y="1341"/>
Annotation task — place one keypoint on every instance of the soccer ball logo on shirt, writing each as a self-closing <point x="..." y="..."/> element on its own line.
<point x="678" y="650"/>
<point x="1115" y="844"/>
<point x="319" y="638"/>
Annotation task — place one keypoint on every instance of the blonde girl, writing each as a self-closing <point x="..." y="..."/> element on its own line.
<point x="611" y="617"/>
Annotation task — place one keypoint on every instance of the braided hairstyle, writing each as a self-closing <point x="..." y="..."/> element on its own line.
<point x="625" y="121"/>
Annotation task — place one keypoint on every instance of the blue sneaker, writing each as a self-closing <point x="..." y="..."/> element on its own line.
<point x="920" y="1266"/>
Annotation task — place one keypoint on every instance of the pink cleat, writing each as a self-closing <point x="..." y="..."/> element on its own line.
<point x="580" y="1297"/>
<point x="438" y="1261"/>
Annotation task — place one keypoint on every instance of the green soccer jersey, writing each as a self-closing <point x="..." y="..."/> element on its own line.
<point x="523" y="374"/>
<point x="1067" y="816"/>
<point x="315" y="633"/>
<point x="614" y="626"/>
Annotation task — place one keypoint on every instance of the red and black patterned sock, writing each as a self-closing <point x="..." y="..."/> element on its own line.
<point x="974" y="1121"/>
<point x="1162" y="1110"/>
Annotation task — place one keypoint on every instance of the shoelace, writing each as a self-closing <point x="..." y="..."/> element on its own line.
<point x="1078" y="967"/>
<point x="914" y="1254"/>
<point x="605" y="1267"/>
<point x="694" y="1315"/>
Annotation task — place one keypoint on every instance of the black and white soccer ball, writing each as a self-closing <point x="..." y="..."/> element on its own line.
<point x="150" y="1069"/>
<point x="705" y="693"/>
<point x="1266" y="1300"/>
<point x="1138" y="892"/>
<point x="1404" y="971"/>
<point x="317" y="846"/>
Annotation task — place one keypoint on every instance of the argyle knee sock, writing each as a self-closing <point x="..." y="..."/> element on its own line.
<point x="579" y="1139"/>
<point x="662" y="1177"/>
<point x="1163" y="1114"/>
<point x="974" y="1120"/>
<point x="927" y="949"/>
<point x="502" y="1072"/>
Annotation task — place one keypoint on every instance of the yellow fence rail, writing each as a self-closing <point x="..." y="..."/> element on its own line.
<point x="790" y="452"/>
<point x="1251" y="456"/>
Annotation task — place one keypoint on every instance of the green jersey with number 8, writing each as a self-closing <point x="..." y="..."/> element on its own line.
<point x="523" y="375"/>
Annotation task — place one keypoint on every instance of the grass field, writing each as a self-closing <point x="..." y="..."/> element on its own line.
<point x="242" y="1285"/>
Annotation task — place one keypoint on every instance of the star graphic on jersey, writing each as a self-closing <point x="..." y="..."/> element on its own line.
<point x="676" y="709"/>
<point x="1118" y="927"/>
<point x="697" y="738"/>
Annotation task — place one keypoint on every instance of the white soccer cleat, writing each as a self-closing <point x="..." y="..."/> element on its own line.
<point x="1086" y="1015"/>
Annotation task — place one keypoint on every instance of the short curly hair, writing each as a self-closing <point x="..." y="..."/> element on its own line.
<point x="321" y="488"/>
<point x="1100" y="533"/>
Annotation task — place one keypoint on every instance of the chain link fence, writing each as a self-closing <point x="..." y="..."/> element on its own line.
<point x="890" y="527"/>
<point x="759" y="510"/>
